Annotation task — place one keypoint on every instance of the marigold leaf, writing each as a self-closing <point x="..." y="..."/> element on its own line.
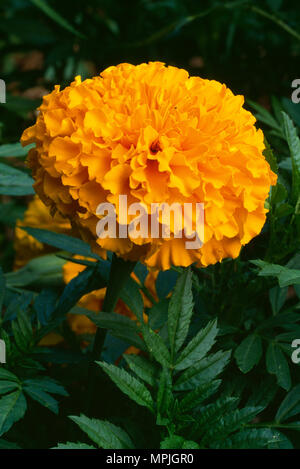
<point x="178" y="442"/>
<point x="180" y="311"/>
<point x="70" y="445"/>
<point x="203" y="372"/>
<point x="12" y="408"/>
<point x="248" y="353"/>
<point x="14" y="182"/>
<point x="61" y="241"/>
<point x="290" y="405"/>
<point x="14" y="150"/>
<point x="194" y="398"/>
<point x="294" y="146"/>
<point x="156" y="346"/>
<point x="131" y="386"/>
<point x="103" y="433"/>
<point x="143" y="368"/>
<point x="247" y="439"/>
<point x="276" y="364"/>
<point x="198" y="347"/>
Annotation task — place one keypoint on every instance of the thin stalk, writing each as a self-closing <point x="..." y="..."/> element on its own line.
<point x="275" y="20"/>
<point x="119" y="273"/>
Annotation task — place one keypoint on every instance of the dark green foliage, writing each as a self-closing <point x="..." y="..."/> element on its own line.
<point x="205" y="417"/>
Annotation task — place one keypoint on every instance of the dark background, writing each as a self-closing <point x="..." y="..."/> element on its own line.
<point x="252" y="46"/>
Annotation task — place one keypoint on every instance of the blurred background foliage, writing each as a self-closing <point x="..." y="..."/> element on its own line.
<point x="252" y="46"/>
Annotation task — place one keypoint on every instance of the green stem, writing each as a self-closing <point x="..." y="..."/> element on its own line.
<point x="119" y="273"/>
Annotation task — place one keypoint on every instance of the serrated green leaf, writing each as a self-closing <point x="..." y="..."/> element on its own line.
<point x="143" y="368"/>
<point x="270" y="157"/>
<point x="132" y="297"/>
<point x="14" y="182"/>
<point x="280" y="441"/>
<point x="178" y="442"/>
<point x="61" y="241"/>
<point x="231" y="422"/>
<point x="156" y="346"/>
<point x="158" y="314"/>
<point x="103" y="433"/>
<point x="7" y="386"/>
<point x="131" y="386"/>
<point x="248" y="353"/>
<point x="212" y="413"/>
<point x="263" y="393"/>
<point x="46" y="384"/>
<point x="292" y="109"/>
<point x="279" y="194"/>
<point x="290" y="405"/>
<point x="285" y="275"/>
<point x="14" y="150"/>
<point x="198" y="347"/>
<point x="70" y="445"/>
<point x="194" y="398"/>
<point x="180" y="311"/>
<point x="44" y="305"/>
<point x="294" y="147"/>
<point x="42" y="397"/>
<point x="276" y="364"/>
<point x="164" y="395"/>
<point x="12" y="408"/>
<point x="119" y="326"/>
<point x="112" y="321"/>
<point x="277" y="297"/>
<point x="247" y="439"/>
<point x="8" y="375"/>
<point x="87" y="281"/>
<point x="203" y="372"/>
<point x="264" y="116"/>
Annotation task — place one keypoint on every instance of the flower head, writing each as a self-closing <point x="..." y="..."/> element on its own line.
<point x="156" y="135"/>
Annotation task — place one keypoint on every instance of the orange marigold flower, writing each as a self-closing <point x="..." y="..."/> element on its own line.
<point x="156" y="135"/>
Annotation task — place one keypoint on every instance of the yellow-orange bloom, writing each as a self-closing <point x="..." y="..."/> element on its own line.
<point x="156" y="135"/>
<point x="37" y="215"/>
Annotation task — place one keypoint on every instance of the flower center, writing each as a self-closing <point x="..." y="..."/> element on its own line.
<point x="155" y="147"/>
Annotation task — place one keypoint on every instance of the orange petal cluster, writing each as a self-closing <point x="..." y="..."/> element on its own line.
<point x="155" y="134"/>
